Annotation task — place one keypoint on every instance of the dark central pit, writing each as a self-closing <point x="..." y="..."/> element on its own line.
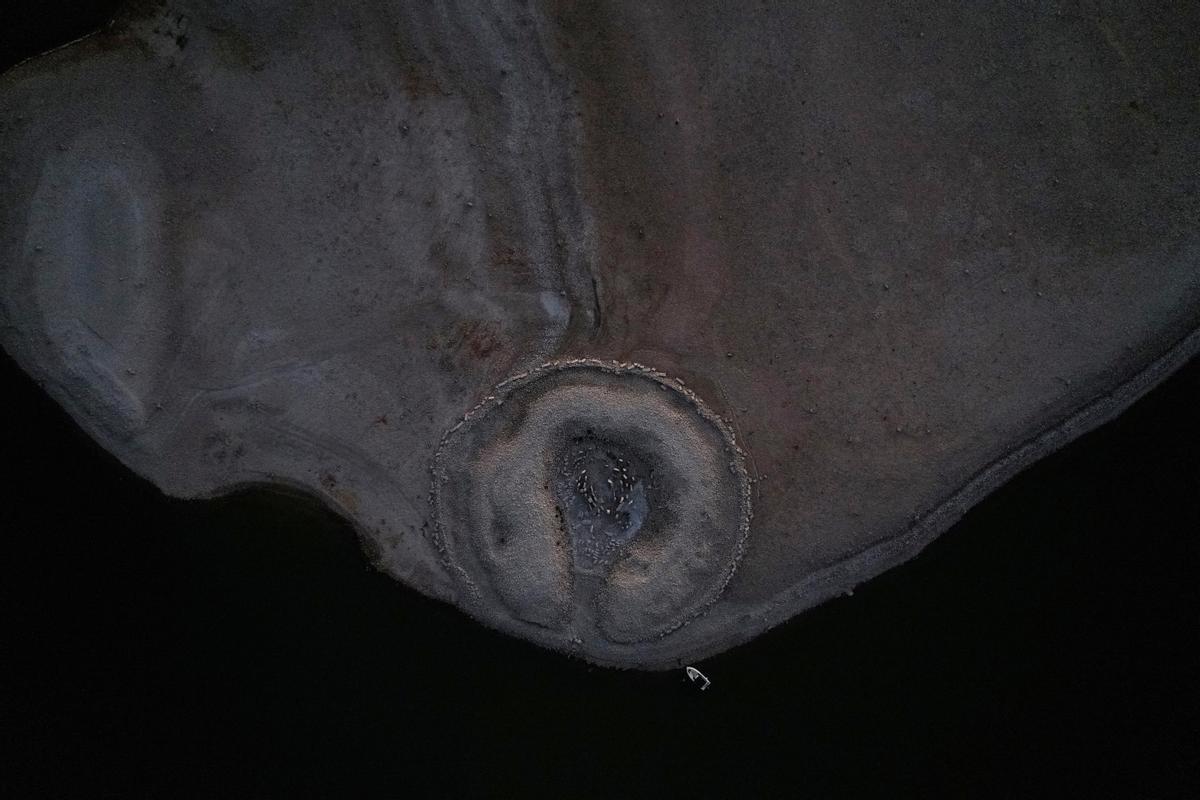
<point x="592" y="506"/>
<point x="601" y="489"/>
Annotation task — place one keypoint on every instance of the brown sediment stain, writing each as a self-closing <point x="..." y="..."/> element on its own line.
<point x="513" y="262"/>
<point x="479" y="338"/>
<point x="344" y="496"/>
<point x="347" y="499"/>
<point x="469" y="341"/>
<point x="644" y="156"/>
<point x="418" y="79"/>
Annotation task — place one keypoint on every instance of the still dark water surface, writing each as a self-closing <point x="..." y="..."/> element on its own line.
<point x="1047" y="646"/>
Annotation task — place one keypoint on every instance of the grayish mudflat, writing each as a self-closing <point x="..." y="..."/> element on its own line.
<point x="874" y="259"/>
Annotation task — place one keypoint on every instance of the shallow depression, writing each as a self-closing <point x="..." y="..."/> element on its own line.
<point x="593" y="507"/>
<point x="602" y="490"/>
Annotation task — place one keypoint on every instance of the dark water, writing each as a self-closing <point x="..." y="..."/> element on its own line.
<point x="1046" y="646"/>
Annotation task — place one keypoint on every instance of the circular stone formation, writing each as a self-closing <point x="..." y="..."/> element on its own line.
<point x="590" y="506"/>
